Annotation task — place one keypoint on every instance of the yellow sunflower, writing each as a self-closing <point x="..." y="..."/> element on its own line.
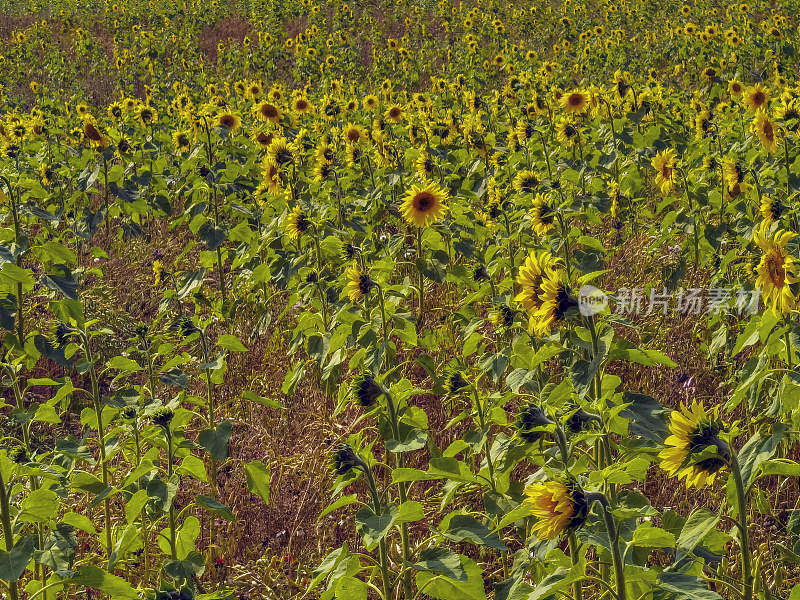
<point x="394" y="114"/>
<point x="359" y="283"/>
<point x="575" y="103"/>
<point x="182" y="141"/>
<point x="556" y="298"/>
<point x="422" y="205"/>
<point x="756" y="97"/>
<point x="766" y="131"/>
<point x="694" y="452"/>
<point x="297" y="223"/>
<point x="777" y="270"/>
<point x="529" y="279"/>
<point x="558" y="508"/>
<point x="542" y="214"/>
<point x="526" y="181"/>
<point x="770" y="209"/>
<point x="267" y="111"/>
<point x="664" y="164"/>
<point x="229" y="121"/>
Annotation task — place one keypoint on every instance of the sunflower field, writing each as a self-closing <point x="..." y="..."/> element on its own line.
<point x="410" y="300"/>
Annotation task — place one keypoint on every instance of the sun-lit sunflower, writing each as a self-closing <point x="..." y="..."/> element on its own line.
<point x="301" y="105"/>
<point x="425" y="165"/>
<point x="526" y="181"/>
<point x="354" y="134"/>
<point x="423" y="205"/>
<point x="694" y="451"/>
<point x="297" y="223"/>
<point x="530" y="278"/>
<point x="542" y="213"/>
<point x="558" y="507"/>
<point x="267" y="111"/>
<point x="394" y="114"/>
<point x="230" y="121"/>
<point x="766" y="131"/>
<point x="756" y="97"/>
<point x="92" y="132"/>
<point x="777" y="270"/>
<point x="664" y="163"/>
<point x="270" y="179"/>
<point x="557" y="301"/>
<point x="567" y="131"/>
<point x="147" y="114"/>
<point x="359" y="283"/>
<point x="575" y="102"/>
<point x="280" y="152"/>
<point x="771" y="209"/>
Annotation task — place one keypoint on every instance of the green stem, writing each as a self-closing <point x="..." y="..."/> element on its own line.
<point x="5" y="517"/>
<point x="383" y="317"/>
<point x="616" y="556"/>
<point x="172" y="534"/>
<point x="421" y="279"/>
<point x="383" y="556"/>
<point x="484" y="431"/>
<point x="744" y="543"/>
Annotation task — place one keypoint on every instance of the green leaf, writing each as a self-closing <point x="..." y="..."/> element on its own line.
<point x="191" y="465"/>
<point x="699" y="524"/>
<point x="13" y="563"/>
<point x="116" y="587"/>
<point x="79" y="521"/>
<point x="373" y="528"/>
<point x="350" y="588"/>
<point x="461" y="528"/>
<point x="756" y="451"/>
<point x="258" y="479"/>
<point x="59" y="548"/>
<point x="216" y="440"/>
<point x="216" y="507"/>
<point x="404" y="474"/>
<point x="442" y="587"/>
<point x="686" y="587"/>
<point x="343" y="501"/>
<point x="39" y="507"/>
<point x="410" y="511"/>
<point x="231" y="343"/>
<point x="442" y="561"/>
<point x="647" y="536"/>
<point x="121" y="363"/>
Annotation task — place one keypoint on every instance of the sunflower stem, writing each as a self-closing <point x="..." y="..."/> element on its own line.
<point x="421" y="278"/>
<point x="744" y="543"/>
<point x="382" y="554"/>
<point x="788" y="349"/>
<point x="613" y="538"/>
<point x="8" y="534"/>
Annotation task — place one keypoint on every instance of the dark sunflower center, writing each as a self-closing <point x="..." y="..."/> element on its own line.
<point x="424" y="201"/>
<point x="575" y="100"/>
<point x="269" y="111"/>
<point x="227" y="120"/>
<point x="563" y="302"/>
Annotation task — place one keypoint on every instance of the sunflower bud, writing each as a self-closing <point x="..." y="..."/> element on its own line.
<point x="579" y="420"/>
<point x="345" y="459"/>
<point x="530" y="422"/>
<point x="366" y="390"/>
<point x="163" y="417"/>
<point x="454" y="381"/>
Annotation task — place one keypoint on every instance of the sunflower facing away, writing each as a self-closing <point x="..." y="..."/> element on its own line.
<point x="766" y="131"/>
<point x="297" y="223"/>
<point x="777" y="269"/>
<point x="771" y="209"/>
<point x="558" y="508"/>
<point x="557" y="300"/>
<point x="694" y="432"/>
<point x="530" y="277"/>
<point x="423" y="205"/>
<point x="359" y="283"/>
<point x="664" y="164"/>
<point x="542" y="214"/>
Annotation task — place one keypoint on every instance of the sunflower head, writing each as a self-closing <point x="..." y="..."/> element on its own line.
<point x="423" y="205"/>
<point x="664" y="164"/>
<point x="526" y="181"/>
<point x="694" y="451"/>
<point x="359" y="283"/>
<point x="777" y="269"/>
<point x="756" y="97"/>
<point x="366" y="390"/>
<point x="229" y="121"/>
<point x="345" y="459"/>
<point x="559" y="507"/>
<point x="297" y="223"/>
<point x="575" y="102"/>
<point x="542" y="214"/>
<point x="557" y="302"/>
<point x="766" y="131"/>
<point x="454" y="381"/>
<point x="532" y="423"/>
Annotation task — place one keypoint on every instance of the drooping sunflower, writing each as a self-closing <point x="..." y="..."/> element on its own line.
<point x="771" y="209"/>
<point x="532" y="423"/>
<point x="92" y="132"/>
<point x="558" y="507"/>
<point x="279" y="152"/>
<point x="756" y="97"/>
<point x="542" y="214"/>
<point x="575" y="102"/>
<point x="526" y="181"/>
<point x="767" y="132"/>
<point x="556" y="302"/>
<point x="422" y="205"/>
<point x="777" y="270"/>
<point x="694" y="452"/>
<point x="297" y="223"/>
<point x="664" y="165"/>
<point x="359" y="284"/>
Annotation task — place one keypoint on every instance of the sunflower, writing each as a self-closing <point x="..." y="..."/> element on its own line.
<point x="359" y="283"/>
<point x="766" y="131"/>
<point x="182" y="141"/>
<point x="664" y="164"/>
<point x="147" y="114"/>
<point x="575" y="103"/>
<point x="354" y="133"/>
<point x="777" y="269"/>
<point x="268" y="112"/>
<point x="526" y="181"/>
<point x="735" y="88"/>
<point x="532" y="423"/>
<point x="424" y="165"/>
<point x="542" y="214"/>
<point x="694" y="432"/>
<point x="261" y="136"/>
<point x="301" y="105"/>
<point x="92" y="133"/>
<point x="530" y="278"/>
<point x="229" y="121"/>
<point x="556" y="302"/>
<point x="279" y="152"/>
<point x="270" y="178"/>
<point x="297" y="223"/>
<point x="558" y="508"/>
<point x="394" y="114"/>
<point x="422" y="205"/>
<point x="370" y="102"/>
<point x="323" y="171"/>
<point x="566" y="131"/>
<point x="756" y="97"/>
<point x="771" y="210"/>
